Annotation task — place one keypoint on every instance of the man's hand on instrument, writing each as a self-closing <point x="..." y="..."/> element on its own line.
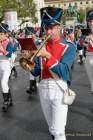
<point x="44" y="53"/>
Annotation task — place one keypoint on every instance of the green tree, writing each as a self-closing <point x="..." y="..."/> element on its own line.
<point x="24" y="8"/>
<point x="81" y="16"/>
<point x="71" y="11"/>
<point x="5" y="5"/>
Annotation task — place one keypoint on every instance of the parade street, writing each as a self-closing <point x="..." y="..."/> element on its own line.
<point x="25" y="120"/>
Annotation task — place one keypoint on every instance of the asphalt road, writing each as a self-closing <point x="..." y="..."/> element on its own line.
<point x="25" y="120"/>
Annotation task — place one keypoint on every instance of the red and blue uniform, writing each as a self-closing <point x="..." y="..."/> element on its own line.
<point x="60" y="62"/>
<point x="90" y="46"/>
<point x="4" y="44"/>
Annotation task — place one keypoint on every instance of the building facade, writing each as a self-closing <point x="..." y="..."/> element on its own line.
<point x="39" y="5"/>
<point x="65" y="3"/>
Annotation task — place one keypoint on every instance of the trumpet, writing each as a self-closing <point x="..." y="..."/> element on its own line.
<point x="27" y="63"/>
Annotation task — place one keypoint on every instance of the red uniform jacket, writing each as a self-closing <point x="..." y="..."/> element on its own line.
<point x="56" y="49"/>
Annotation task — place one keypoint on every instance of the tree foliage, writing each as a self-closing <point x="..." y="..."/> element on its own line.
<point x="81" y="15"/>
<point x="24" y="8"/>
<point x="72" y="12"/>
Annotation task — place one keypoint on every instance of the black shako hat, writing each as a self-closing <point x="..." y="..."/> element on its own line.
<point x="89" y="15"/>
<point x="50" y="16"/>
<point x="4" y="28"/>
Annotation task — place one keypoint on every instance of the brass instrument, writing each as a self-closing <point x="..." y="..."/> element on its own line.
<point x="27" y="62"/>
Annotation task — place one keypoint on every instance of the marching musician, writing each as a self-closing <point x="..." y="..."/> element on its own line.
<point x="89" y="45"/>
<point x="56" y="57"/>
<point x="13" y="45"/>
<point x="5" y="70"/>
<point x="32" y="83"/>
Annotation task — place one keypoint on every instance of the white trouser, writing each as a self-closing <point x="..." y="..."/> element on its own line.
<point x="12" y="59"/>
<point x="54" y="110"/>
<point x="80" y="52"/>
<point x="31" y="77"/>
<point x="5" y="71"/>
<point x="89" y="68"/>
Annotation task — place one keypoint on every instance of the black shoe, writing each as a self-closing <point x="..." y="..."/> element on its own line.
<point x="5" y="107"/>
<point x="81" y="62"/>
<point x="29" y="91"/>
<point x="5" y="102"/>
<point x="33" y="88"/>
<point x="14" y="72"/>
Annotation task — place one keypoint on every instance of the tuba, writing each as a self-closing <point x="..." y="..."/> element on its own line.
<point x="27" y="63"/>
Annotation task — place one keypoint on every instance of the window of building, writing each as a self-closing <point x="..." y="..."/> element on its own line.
<point x="81" y="2"/>
<point x="64" y="4"/>
<point x="92" y="1"/>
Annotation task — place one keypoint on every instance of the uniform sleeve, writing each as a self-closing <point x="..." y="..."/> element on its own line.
<point x="37" y="69"/>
